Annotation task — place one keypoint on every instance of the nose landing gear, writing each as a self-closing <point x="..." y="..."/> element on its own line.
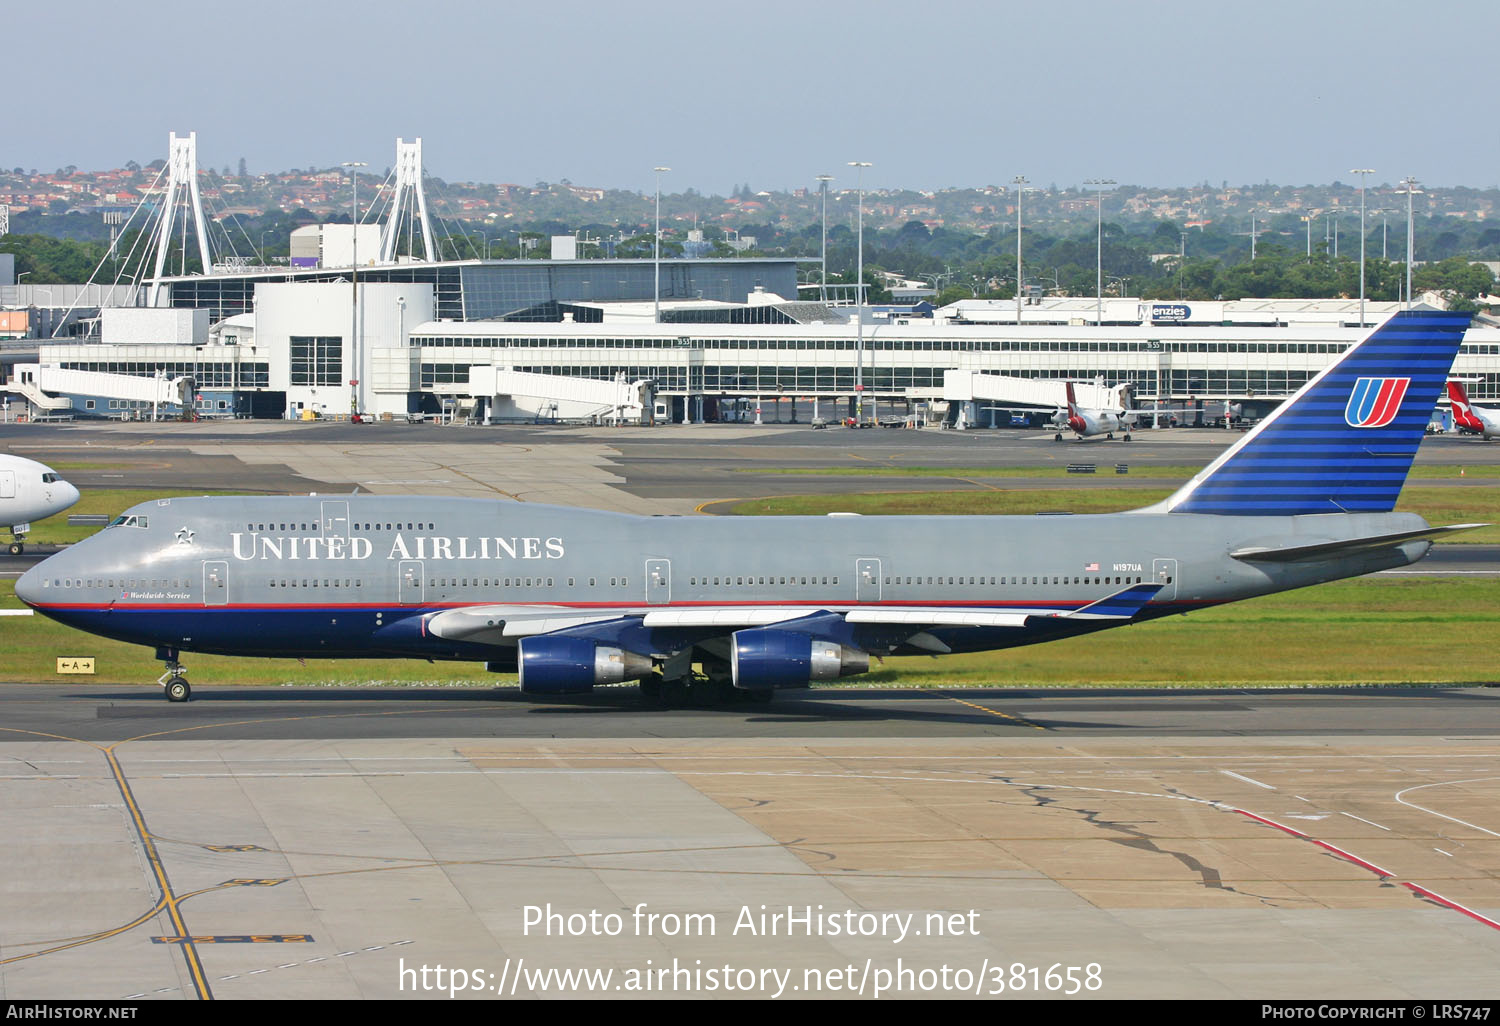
<point x="174" y="681"/>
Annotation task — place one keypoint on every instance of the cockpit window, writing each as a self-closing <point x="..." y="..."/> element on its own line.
<point x="51" y="478"/>
<point x="128" y="520"/>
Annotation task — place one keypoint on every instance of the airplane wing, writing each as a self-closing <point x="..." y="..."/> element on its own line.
<point x="505" y="624"/>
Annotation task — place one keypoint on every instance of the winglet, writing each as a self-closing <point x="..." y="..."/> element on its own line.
<point x="1122" y="605"/>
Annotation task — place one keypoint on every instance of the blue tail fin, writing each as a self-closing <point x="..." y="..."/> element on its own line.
<point x="1346" y="440"/>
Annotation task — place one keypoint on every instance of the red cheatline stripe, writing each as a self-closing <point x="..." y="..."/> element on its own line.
<point x="121" y="607"/>
<point x="1341" y="853"/>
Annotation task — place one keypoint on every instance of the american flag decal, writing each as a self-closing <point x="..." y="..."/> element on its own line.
<point x="1091" y="568"/>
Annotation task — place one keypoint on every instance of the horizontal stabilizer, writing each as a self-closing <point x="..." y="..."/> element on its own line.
<point x="1122" y="605"/>
<point x="1329" y="549"/>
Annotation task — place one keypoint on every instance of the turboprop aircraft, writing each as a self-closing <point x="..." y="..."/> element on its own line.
<point x="1085" y="422"/>
<point x="1483" y="422"/>
<point x="573" y="598"/>
<point x="29" y="491"/>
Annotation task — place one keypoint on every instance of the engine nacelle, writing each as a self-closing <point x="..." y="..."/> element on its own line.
<point x="560" y="665"/>
<point x="764" y="658"/>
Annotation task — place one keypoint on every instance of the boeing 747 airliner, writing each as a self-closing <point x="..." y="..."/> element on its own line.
<point x="573" y="598"/>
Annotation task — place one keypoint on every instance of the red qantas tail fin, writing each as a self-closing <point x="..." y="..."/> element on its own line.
<point x="1463" y="416"/>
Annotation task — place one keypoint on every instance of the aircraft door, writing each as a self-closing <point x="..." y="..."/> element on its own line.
<point x="7" y="484"/>
<point x="658" y="581"/>
<point x="336" y="520"/>
<point x="215" y="582"/>
<point x="867" y="580"/>
<point x="1164" y="572"/>
<point x="409" y="583"/>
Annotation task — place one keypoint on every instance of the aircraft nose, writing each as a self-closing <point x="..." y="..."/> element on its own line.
<point x="29" y="586"/>
<point x="67" y="492"/>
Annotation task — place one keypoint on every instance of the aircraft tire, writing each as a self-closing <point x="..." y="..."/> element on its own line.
<point x="16" y="548"/>
<point x="1127" y="438"/>
<point x="178" y="690"/>
<point x="1057" y="437"/>
<point x="714" y="692"/>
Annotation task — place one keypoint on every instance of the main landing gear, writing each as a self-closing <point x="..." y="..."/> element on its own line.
<point x="174" y="681"/>
<point x="712" y="689"/>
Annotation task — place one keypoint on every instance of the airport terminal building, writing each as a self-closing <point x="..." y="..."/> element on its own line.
<point x="426" y="339"/>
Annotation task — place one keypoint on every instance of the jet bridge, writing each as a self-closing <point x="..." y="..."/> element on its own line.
<point x="50" y="388"/>
<point x="967" y="387"/>
<point x="514" y="395"/>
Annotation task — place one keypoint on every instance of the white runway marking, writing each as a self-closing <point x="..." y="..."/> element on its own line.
<point x="1451" y="819"/>
<point x="1257" y="783"/>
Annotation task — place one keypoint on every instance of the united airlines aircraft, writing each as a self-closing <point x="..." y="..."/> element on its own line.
<point x="29" y="491"/>
<point x="572" y="598"/>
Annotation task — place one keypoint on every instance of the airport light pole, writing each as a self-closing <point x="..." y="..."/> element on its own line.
<point x="355" y="375"/>
<point x="1181" y="262"/>
<point x="656" y="248"/>
<point x="823" y="181"/>
<point x="859" y="298"/>
<point x="1020" y="183"/>
<point x="1362" y="172"/>
<point x="1409" y="186"/>
<point x="1099" y="185"/>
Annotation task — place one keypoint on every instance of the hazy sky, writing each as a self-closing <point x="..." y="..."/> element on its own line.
<point x="933" y="93"/>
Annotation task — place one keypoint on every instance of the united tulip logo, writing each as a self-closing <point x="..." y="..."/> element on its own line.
<point x="1374" y="402"/>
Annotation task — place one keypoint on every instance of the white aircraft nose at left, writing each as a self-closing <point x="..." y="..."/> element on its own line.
<point x="30" y="491"/>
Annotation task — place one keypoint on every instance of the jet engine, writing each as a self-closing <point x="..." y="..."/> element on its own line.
<point x="553" y="664"/>
<point x="768" y="658"/>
